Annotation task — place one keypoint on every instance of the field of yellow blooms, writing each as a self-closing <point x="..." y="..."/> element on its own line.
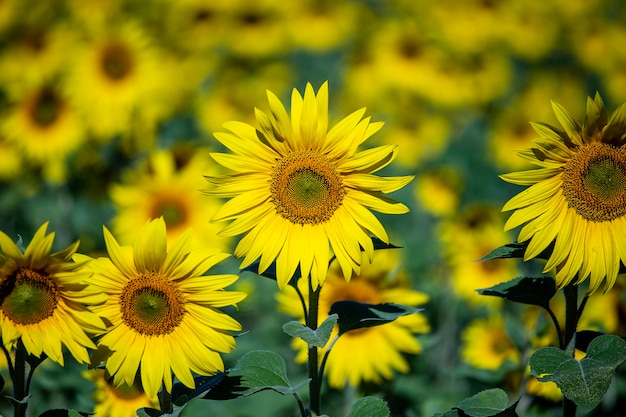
<point x="341" y="208"/>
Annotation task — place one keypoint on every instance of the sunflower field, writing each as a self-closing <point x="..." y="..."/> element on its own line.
<point x="341" y="208"/>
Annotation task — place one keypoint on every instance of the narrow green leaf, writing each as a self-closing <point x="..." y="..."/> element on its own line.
<point x="510" y="250"/>
<point x="586" y="381"/>
<point x="153" y="412"/>
<point x="353" y="315"/>
<point x="525" y="290"/>
<point x="181" y="393"/>
<point x="370" y="407"/>
<point x="260" y="370"/>
<point x="318" y="337"/>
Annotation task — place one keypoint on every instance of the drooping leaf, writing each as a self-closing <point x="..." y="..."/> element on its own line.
<point x="181" y="393"/>
<point x="489" y="403"/>
<point x="153" y="412"/>
<point x="510" y="250"/>
<point x="229" y="388"/>
<point x="353" y="315"/>
<point x="586" y="381"/>
<point x="525" y="290"/>
<point x="261" y="370"/>
<point x="370" y="407"/>
<point x="379" y="244"/>
<point x="318" y="337"/>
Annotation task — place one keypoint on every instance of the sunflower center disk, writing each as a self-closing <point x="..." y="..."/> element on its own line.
<point x="116" y="62"/>
<point x="306" y="188"/>
<point x="33" y="299"/>
<point x="172" y="213"/>
<point x="594" y="182"/>
<point x="152" y="305"/>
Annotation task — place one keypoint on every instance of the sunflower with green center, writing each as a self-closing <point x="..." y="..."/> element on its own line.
<point x="112" y="401"/>
<point x="164" y="312"/>
<point x="486" y="344"/>
<point x="577" y="199"/>
<point x="301" y="193"/>
<point x="370" y="354"/>
<point x="44" y="299"/>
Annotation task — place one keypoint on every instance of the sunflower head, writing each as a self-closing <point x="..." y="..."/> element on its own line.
<point x="45" y="296"/>
<point x="301" y="192"/>
<point x="577" y="198"/>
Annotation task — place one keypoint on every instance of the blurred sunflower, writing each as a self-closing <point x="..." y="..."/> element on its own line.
<point x="164" y="313"/>
<point x="10" y="160"/>
<point x="577" y="199"/>
<point x="486" y="344"/>
<point x="115" y="79"/>
<point x="439" y="191"/>
<point x="370" y="354"/>
<point x="44" y="127"/>
<point x="167" y="185"/>
<point x="299" y="188"/>
<point x="45" y="301"/>
<point x="112" y="401"/>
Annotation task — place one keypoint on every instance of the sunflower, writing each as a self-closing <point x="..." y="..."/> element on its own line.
<point x="163" y="312"/>
<point x="369" y="354"/>
<point x="301" y="191"/>
<point x="577" y="199"/>
<point x="167" y="186"/>
<point x="45" y="299"/>
<point x="112" y="401"/>
<point x="486" y="344"/>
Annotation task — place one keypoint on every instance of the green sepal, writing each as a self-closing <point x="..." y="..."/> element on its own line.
<point x="353" y="315"/>
<point x="584" y="381"/>
<point x="534" y="291"/>
<point x="318" y="337"/>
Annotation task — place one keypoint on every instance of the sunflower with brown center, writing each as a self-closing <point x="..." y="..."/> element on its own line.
<point x="164" y="312"/>
<point x="577" y="199"/>
<point x="44" y="301"/>
<point x="302" y="193"/>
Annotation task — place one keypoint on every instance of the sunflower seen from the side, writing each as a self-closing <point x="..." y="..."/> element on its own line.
<point x="576" y="200"/>
<point x="45" y="301"/>
<point x="372" y="354"/>
<point x="165" y="314"/>
<point x="300" y="193"/>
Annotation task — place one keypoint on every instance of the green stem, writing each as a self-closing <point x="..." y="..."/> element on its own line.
<point x="311" y="322"/>
<point x="572" y="314"/>
<point x="19" y="380"/>
<point x="323" y="365"/>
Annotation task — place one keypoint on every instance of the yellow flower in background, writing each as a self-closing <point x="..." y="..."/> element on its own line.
<point x="439" y="191"/>
<point x="45" y="300"/>
<point x="112" y="401"/>
<point x="168" y="185"/>
<point x="164" y="312"/>
<point x="302" y="193"/>
<point x="577" y="199"/>
<point x="370" y="354"/>
<point x="486" y="344"/>
<point x="44" y="127"/>
<point x="11" y="163"/>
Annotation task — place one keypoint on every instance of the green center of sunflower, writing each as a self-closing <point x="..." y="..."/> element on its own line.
<point x="116" y="61"/>
<point x="172" y="213"/>
<point x="33" y="298"/>
<point x="594" y="182"/>
<point x="306" y="188"/>
<point x="45" y="108"/>
<point x="152" y="305"/>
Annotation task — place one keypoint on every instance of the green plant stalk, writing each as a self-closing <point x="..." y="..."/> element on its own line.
<point x="572" y="314"/>
<point x="20" y="391"/>
<point x="315" y="385"/>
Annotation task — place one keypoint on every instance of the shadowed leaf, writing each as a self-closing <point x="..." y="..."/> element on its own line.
<point x="525" y="290"/>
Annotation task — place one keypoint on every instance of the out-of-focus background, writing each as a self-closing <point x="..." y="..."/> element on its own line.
<point x="107" y="109"/>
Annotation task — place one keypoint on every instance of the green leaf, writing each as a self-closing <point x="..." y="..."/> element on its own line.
<point x="261" y="370"/>
<point x="370" y="407"/>
<point x="353" y="315"/>
<point x="318" y="337"/>
<point x="510" y="250"/>
<point x="586" y="381"/>
<point x="153" y="412"/>
<point x="181" y="393"/>
<point x="489" y="403"/>
<point x="64" y="413"/>
<point x="525" y="290"/>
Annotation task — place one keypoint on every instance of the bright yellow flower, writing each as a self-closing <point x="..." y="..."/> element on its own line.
<point x="302" y="193"/>
<point x="45" y="299"/>
<point x="486" y="345"/>
<point x="163" y="312"/>
<point x="370" y="354"/>
<point x="112" y="401"/>
<point x="577" y="199"/>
